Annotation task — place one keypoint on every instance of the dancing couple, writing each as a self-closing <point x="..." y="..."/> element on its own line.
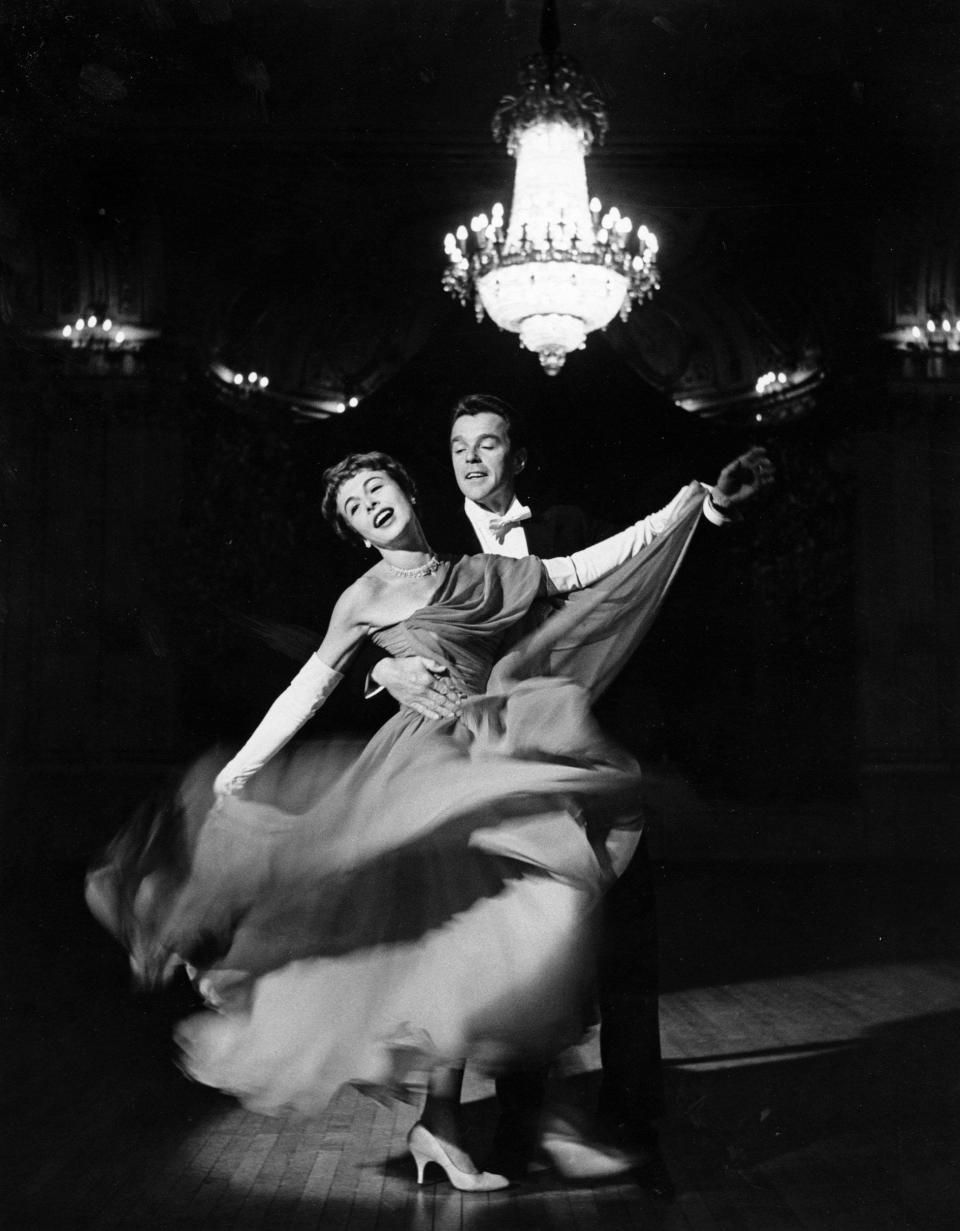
<point x="380" y="918"/>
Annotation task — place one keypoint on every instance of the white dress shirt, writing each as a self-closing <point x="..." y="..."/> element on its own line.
<point x="514" y="540"/>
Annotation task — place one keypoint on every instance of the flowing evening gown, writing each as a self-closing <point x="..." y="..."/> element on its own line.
<point x="365" y="916"/>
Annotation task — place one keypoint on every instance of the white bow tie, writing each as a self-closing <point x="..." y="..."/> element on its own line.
<point x="498" y="526"/>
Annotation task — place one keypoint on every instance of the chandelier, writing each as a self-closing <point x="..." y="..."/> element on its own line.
<point x="936" y="340"/>
<point x="100" y="342"/>
<point x="561" y="267"/>
<point x="938" y="334"/>
<point x="95" y="330"/>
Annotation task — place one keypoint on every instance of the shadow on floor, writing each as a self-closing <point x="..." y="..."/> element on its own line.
<point x="98" y="1116"/>
<point x="724" y="922"/>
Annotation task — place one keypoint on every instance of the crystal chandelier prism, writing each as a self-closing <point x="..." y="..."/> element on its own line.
<point x="561" y="267"/>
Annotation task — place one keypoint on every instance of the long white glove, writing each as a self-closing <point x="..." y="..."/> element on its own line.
<point x="307" y="691"/>
<point x="585" y="567"/>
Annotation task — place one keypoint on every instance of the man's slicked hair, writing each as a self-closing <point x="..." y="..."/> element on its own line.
<point x="488" y="403"/>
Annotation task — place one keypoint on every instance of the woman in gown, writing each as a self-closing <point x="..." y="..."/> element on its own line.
<point x="379" y="918"/>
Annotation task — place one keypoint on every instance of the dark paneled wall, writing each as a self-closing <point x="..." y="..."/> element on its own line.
<point x="93" y="491"/>
<point x="908" y="600"/>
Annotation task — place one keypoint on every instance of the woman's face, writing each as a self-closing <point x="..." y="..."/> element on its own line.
<point x="375" y="506"/>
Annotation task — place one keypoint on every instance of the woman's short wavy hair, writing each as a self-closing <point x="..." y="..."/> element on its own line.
<point x="334" y="478"/>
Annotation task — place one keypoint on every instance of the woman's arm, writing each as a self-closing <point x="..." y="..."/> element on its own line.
<point x="308" y="690"/>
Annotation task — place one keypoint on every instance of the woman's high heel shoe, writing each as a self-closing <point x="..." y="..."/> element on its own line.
<point x="425" y="1148"/>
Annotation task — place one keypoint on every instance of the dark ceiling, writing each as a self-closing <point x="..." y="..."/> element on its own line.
<point x="283" y="171"/>
<point x="430" y="70"/>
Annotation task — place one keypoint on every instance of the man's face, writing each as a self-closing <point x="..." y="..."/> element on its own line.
<point x="484" y="463"/>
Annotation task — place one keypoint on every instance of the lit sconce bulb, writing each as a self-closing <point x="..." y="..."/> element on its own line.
<point x="67" y="330"/>
<point x="782" y="378"/>
<point x="626" y="225"/>
<point x="264" y="381"/>
<point x="92" y="322"/>
<point x="637" y="263"/>
<point x="482" y="222"/>
<point x="475" y="223"/>
<point x="946" y="325"/>
<point x="652" y="242"/>
<point x="595" y="205"/>
<point x="354" y="402"/>
<point x="462" y="233"/>
<point x="341" y="407"/>
<point x="120" y="336"/>
<point x="603" y="235"/>
<point x="606" y="221"/>
<point x="449" y="241"/>
<point x="498" y="210"/>
<point x="915" y="331"/>
<point x="759" y="418"/>
<point x="80" y="322"/>
<point x="614" y="213"/>
<point x="930" y="327"/>
<point x="107" y="324"/>
<point x="237" y="378"/>
<point x="252" y="378"/>
<point x="765" y="381"/>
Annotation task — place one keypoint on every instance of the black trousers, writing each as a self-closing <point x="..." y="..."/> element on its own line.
<point x="631" y="1087"/>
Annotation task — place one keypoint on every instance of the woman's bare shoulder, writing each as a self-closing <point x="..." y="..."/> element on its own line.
<point x="353" y="605"/>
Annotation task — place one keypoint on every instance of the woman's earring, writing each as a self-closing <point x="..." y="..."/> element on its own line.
<point x="367" y="544"/>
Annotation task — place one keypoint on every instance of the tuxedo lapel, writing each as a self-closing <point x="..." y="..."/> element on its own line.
<point x="541" y="537"/>
<point x="553" y="532"/>
<point x="558" y="531"/>
<point x="462" y="536"/>
<point x="541" y="533"/>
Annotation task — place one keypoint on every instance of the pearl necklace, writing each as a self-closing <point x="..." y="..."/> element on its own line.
<point x="422" y="570"/>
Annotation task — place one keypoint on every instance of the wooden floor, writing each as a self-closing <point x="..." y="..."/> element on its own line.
<point x="821" y="1097"/>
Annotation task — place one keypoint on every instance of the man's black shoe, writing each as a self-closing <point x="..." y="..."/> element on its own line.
<point x="651" y="1174"/>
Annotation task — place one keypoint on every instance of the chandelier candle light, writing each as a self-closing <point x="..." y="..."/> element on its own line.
<point x="562" y="266"/>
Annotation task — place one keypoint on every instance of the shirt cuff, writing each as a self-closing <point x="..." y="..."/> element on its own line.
<point x="371" y="688"/>
<point x="716" y="517"/>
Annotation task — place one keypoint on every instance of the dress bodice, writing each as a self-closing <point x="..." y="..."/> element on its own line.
<point x="466" y="621"/>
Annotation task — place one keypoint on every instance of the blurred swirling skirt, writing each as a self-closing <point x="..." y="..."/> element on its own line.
<point x="432" y="902"/>
<point x="365" y="915"/>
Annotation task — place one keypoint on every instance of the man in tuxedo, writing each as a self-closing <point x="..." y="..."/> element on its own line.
<point x="488" y="451"/>
<point x="488" y="454"/>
